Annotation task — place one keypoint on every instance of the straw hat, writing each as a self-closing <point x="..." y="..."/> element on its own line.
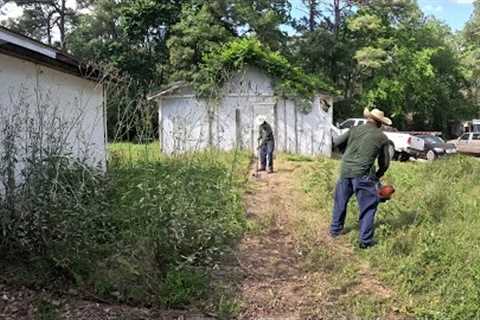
<point x="377" y="115"/>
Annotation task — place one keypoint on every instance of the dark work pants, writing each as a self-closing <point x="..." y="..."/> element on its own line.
<point x="266" y="155"/>
<point x="366" y="192"/>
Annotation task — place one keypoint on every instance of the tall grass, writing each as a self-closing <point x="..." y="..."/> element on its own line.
<point x="177" y="217"/>
<point x="147" y="233"/>
<point x="428" y="235"/>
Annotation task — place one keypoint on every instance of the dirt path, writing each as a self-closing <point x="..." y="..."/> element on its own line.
<point x="275" y="273"/>
<point x="276" y="279"/>
<point x="20" y="303"/>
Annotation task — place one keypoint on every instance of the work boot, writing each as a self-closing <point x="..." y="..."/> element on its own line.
<point x="261" y="169"/>
<point x="363" y="245"/>
<point x="338" y="234"/>
<point x="270" y="170"/>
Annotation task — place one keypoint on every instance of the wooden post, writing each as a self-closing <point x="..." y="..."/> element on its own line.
<point x="160" y="125"/>
<point x="285" y="127"/>
<point x="275" y="122"/>
<point x="238" y="129"/>
<point x="296" y="126"/>
<point x="210" y="127"/>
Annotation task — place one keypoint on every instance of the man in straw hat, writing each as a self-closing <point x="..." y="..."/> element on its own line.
<point x="266" y="144"/>
<point x="364" y="145"/>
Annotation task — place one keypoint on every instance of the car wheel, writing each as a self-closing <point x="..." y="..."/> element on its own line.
<point x="404" y="157"/>
<point x="431" y="155"/>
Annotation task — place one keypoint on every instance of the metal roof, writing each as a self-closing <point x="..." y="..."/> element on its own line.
<point x="168" y="89"/>
<point x="20" y="46"/>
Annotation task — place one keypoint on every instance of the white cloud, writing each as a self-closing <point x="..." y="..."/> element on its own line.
<point x="432" y="9"/>
<point x="463" y="1"/>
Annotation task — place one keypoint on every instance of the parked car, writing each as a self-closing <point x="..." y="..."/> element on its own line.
<point x="468" y="143"/>
<point x="402" y="145"/>
<point x="436" y="147"/>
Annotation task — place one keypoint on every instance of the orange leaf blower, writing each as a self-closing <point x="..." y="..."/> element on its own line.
<point x="385" y="192"/>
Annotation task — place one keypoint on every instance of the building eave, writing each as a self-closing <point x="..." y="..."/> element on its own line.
<point x="167" y="90"/>
<point x="22" y="47"/>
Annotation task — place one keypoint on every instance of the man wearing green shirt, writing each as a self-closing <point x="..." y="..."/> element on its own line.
<point x="358" y="175"/>
<point x="266" y="145"/>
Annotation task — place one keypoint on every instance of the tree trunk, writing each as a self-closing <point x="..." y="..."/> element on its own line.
<point x="49" y="33"/>
<point x="312" y="10"/>
<point x="62" y="24"/>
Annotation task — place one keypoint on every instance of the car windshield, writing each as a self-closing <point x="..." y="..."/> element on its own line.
<point x="433" y="139"/>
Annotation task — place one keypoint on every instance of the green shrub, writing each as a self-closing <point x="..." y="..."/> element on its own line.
<point x="146" y="233"/>
<point x="59" y="216"/>
<point x="174" y="214"/>
<point x="179" y="287"/>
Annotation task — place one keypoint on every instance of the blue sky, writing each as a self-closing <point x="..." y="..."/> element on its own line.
<point x="454" y="12"/>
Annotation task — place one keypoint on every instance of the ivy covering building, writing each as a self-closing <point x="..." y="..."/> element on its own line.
<point x="236" y="85"/>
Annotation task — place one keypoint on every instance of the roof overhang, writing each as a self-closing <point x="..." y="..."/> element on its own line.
<point x="167" y="90"/>
<point x="19" y="46"/>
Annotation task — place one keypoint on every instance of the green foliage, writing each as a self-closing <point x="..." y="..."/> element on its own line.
<point x="218" y="67"/>
<point x="178" y="216"/>
<point x="59" y="216"/>
<point x="45" y="310"/>
<point x="365" y="23"/>
<point x="372" y="58"/>
<point x="148" y="233"/>
<point x="40" y="19"/>
<point x="186" y="207"/>
<point x="131" y="36"/>
<point x="197" y="32"/>
<point x="179" y="287"/>
<point x="427" y="234"/>
<point x="407" y="65"/>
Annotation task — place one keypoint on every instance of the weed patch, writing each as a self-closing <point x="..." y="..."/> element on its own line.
<point x="427" y="234"/>
<point x="146" y="234"/>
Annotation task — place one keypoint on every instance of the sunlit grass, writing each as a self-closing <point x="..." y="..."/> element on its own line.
<point x="428" y="235"/>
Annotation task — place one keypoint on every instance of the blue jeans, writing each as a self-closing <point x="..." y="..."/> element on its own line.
<point x="366" y="192"/>
<point x="266" y="155"/>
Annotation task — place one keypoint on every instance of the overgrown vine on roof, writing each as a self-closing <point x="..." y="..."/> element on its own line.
<point x="220" y="65"/>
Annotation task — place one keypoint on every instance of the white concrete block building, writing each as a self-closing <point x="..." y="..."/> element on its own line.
<point x="188" y="123"/>
<point x="48" y="96"/>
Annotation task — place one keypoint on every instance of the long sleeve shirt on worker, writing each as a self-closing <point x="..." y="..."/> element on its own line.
<point x="265" y="134"/>
<point x="364" y="145"/>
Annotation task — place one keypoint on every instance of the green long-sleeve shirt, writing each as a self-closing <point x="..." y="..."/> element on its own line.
<point x="265" y="134"/>
<point x="364" y="145"/>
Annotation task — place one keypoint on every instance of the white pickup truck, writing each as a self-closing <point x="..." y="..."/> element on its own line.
<point x="402" y="145"/>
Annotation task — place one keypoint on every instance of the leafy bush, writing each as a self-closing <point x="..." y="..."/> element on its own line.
<point x="59" y="215"/>
<point x="427" y="234"/>
<point x="174" y="214"/>
<point x="180" y="286"/>
<point x="146" y="233"/>
<point x="218" y="66"/>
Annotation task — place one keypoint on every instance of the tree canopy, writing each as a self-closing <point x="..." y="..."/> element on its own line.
<point x="373" y="52"/>
<point x="219" y="65"/>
